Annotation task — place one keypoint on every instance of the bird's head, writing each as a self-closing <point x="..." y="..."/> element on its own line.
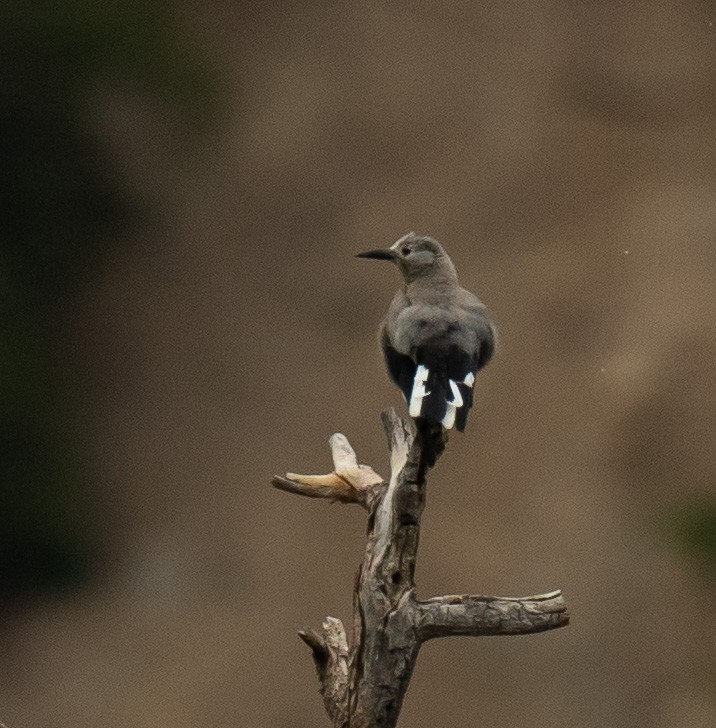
<point x="417" y="256"/>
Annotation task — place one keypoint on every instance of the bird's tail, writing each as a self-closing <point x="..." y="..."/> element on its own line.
<point x="442" y="388"/>
<point x="432" y="402"/>
<point x="433" y="439"/>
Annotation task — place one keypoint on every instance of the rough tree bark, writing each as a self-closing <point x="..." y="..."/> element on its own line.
<point x="363" y="681"/>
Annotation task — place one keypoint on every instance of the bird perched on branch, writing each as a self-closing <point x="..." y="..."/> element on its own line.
<point x="436" y="335"/>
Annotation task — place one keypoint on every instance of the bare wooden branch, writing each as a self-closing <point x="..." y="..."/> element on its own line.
<point x="479" y="616"/>
<point x="348" y="483"/>
<point x="330" y="654"/>
<point x="363" y="681"/>
<point x="385" y="645"/>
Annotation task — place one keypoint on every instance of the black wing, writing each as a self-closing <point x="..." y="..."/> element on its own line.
<point x="471" y="365"/>
<point x="400" y="367"/>
<point x="488" y="338"/>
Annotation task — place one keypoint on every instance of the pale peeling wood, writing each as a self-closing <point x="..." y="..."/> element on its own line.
<point x="348" y="483"/>
<point x="363" y="681"/>
<point x="321" y="486"/>
<point x="400" y="440"/>
<point x="345" y="464"/>
<point x="400" y="434"/>
<point x="480" y="616"/>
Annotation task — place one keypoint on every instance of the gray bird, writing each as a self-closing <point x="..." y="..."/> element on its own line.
<point x="436" y="335"/>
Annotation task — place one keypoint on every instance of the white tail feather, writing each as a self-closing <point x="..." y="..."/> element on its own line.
<point x="457" y="401"/>
<point x="418" y="393"/>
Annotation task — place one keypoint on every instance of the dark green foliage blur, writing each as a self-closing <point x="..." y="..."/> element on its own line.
<point x="61" y="206"/>
<point x="694" y="530"/>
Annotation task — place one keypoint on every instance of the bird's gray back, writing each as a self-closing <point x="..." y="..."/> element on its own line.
<point x="451" y="318"/>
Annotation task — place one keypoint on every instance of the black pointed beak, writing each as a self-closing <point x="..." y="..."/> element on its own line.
<point x="377" y="254"/>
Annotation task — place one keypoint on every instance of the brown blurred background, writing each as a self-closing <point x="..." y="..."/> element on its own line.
<point x="182" y="193"/>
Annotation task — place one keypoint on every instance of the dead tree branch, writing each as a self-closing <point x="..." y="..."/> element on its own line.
<point x="363" y="681"/>
<point x="480" y="616"/>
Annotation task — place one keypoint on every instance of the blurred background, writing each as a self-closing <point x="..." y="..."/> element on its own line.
<point x="182" y="191"/>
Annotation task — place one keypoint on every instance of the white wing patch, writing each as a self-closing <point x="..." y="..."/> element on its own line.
<point x="418" y="393"/>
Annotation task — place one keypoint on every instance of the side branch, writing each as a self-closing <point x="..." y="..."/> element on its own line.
<point x="330" y="655"/>
<point x="480" y="616"/>
<point x="348" y="483"/>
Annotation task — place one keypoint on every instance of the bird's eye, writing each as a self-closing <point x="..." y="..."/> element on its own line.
<point x="405" y="250"/>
